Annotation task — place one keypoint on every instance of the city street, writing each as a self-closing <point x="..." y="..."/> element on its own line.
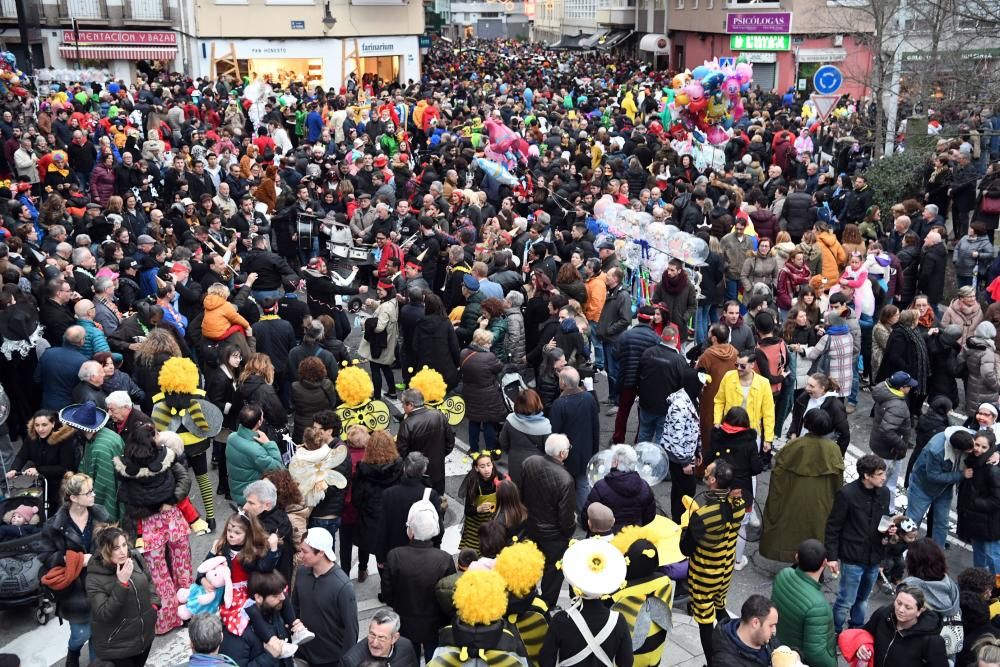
<point x="43" y="646"/>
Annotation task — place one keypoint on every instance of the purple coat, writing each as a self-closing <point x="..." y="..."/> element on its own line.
<point x="627" y="495"/>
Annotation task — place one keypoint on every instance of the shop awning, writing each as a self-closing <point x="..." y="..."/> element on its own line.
<point x="614" y="39"/>
<point x="110" y="52"/>
<point x="592" y="41"/>
<point x="567" y="42"/>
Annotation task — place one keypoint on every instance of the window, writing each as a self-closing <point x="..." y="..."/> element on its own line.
<point x="680" y="4"/>
<point x="752" y="4"/>
<point x="291" y="2"/>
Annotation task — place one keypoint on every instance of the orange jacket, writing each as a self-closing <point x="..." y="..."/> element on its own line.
<point x="219" y="316"/>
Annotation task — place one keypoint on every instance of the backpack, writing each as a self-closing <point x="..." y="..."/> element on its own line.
<point x="777" y="361"/>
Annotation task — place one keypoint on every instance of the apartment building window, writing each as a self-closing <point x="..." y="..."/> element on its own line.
<point x="694" y="4"/>
<point x="580" y="9"/>
<point x="291" y="2"/>
<point x="711" y="4"/>
<point x="680" y="4"/>
<point x="753" y="4"/>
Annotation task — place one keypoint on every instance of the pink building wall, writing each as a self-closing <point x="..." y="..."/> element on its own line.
<point x="856" y="67"/>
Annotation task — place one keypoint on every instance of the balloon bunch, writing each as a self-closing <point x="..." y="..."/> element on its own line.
<point x="10" y="76"/>
<point x="707" y="100"/>
<point x="88" y="75"/>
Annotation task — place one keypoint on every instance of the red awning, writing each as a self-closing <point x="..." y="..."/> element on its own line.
<point x="110" y="52"/>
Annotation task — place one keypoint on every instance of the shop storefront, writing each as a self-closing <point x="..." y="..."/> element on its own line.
<point x="123" y="53"/>
<point x="321" y="62"/>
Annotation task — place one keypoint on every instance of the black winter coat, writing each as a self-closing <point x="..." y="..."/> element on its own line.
<point x="427" y="431"/>
<point x="256" y="390"/>
<point x="627" y="495"/>
<point x="832" y="406"/>
<point x="221" y="390"/>
<point x="60" y="535"/>
<point x="396" y="503"/>
<point x="943" y="370"/>
<point x="851" y="532"/>
<point x="919" y="646"/>
<point x="481" y="386"/>
<point x="517" y="443"/>
<point x="435" y="345"/>
<point x="628" y="351"/>
<point x="308" y="398"/>
<point x="979" y="501"/>
<point x="367" y="488"/>
<point x="663" y="370"/>
<point x="740" y="451"/>
<point x="123" y="619"/>
<point x="408" y="580"/>
<point x="549" y="493"/>
<point x="930" y="279"/>
<point x="909" y="262"/>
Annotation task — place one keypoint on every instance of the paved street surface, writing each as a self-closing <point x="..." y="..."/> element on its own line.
<point x="42" y="646"/>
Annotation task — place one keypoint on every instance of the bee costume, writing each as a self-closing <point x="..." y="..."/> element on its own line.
<point x="588" y="633"/>
<point x="479" y="638"/>
<point x="181" y="407"/>
<point x="646" y="599"/>
<point x="521" y="565"/>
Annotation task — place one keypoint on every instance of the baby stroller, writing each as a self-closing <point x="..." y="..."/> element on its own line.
<point x="20" y="558"/>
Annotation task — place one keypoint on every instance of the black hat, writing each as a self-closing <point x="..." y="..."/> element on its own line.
<point x="19" y="322"/>
<point x="127" y="264"/>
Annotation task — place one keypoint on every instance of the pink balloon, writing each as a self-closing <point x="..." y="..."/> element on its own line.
<point x="745" y="72"/>
<point x="695" y="90"/>
<point x="738" y="110"/>
<point x="717" y="135"/>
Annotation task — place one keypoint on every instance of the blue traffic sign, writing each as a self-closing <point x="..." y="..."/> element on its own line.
<point x="727" y="61"/>
<point x="827" y="80"/>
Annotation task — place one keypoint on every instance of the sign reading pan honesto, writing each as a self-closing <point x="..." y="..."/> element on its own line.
<point x="760" y="42"/>
<point x="759" y="23"/>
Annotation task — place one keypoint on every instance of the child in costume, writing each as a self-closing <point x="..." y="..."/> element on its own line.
<point x="479" y="488"/>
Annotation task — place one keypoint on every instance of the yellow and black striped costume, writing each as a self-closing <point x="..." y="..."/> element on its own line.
<point x="503" y="654"/>
<point x="645" y="605"/>
<point x="709" y="542"/>
<point x="530" y="616"/>
<point x="167" y="408"/>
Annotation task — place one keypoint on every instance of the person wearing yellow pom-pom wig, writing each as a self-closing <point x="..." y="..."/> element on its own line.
<point x="588" y="632"/>
<point x="521" y="565"/>
<point x="479" y="636"/>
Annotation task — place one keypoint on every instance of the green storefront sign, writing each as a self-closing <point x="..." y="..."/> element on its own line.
<point x="760" y="42"/>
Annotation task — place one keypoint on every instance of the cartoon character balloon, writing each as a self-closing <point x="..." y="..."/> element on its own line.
<point x="707" y="100"/>
<point x="10" y="76"/>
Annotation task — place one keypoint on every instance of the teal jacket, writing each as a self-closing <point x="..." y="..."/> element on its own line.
<point x="247" y="460"/>
<point x="805" y="618"/>
<point x="95" y="341"/>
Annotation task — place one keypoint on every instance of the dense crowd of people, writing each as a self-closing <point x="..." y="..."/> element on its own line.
<point x="174" y="300"/>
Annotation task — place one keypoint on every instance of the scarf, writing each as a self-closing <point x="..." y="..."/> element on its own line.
<point x="730" y="428"/>
<point x="921" y="371"/>
<point x="926" y="320"/>
<point x="675" y="284"/>
<point x="530" y="424"/>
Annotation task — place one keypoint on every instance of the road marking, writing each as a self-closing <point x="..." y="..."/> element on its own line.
<point x="43" y="646"/>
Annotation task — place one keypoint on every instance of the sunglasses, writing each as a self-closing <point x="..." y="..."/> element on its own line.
<point x="742" y="367"/>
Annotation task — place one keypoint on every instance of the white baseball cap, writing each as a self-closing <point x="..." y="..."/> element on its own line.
<point x="320" y="539"/>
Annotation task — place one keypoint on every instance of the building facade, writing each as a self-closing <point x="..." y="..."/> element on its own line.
<point x="121" y="37"/>
<point x="786" y="40"/>
<point x="319" y="41"/>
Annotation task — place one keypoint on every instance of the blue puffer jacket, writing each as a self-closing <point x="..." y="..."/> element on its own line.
<point x="628" y="351"/>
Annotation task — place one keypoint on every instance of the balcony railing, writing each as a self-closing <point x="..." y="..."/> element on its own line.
<point x="8" y="10"/>
<point x="84" y="9"/>
<point x="147" y="10"/>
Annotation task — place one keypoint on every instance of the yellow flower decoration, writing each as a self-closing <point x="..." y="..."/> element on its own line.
<point x="521" y="566"/>
<point x="480" y="597"/>
<point x="597" y="563"/>
<point x="430" y="383"/>
<point x="354" y="386"/>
